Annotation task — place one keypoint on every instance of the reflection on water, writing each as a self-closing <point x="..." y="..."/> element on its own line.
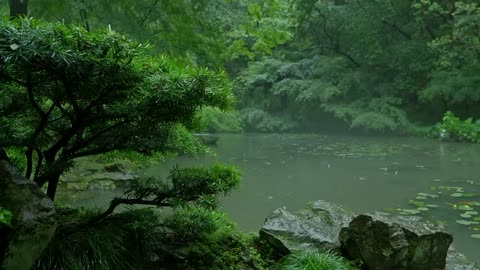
<point x="361" y="173"/>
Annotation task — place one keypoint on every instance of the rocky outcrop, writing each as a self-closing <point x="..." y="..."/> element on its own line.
<point x="318" y="227"/>
<point x="380" y="245"/>
<point x="89" y="176"/>
<point x="315" y="227"/>
<point x="33" y="223"/>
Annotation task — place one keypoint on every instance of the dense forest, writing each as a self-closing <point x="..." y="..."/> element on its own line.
<point x="388" y="66"/>
<point x="95" y="82"/>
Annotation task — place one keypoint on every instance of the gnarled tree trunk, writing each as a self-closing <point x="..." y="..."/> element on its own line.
<point x="18" y="7"/>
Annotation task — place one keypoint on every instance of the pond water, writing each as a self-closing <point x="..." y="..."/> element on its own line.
<point x="439" y="181"/>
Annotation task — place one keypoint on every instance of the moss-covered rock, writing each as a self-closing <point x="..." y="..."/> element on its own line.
<point x="33" y="223"/>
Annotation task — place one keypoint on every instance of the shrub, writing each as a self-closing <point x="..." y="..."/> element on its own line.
<point x="121" y="241"/>
<point x="454" y="128"/>
<point x="315" y="260"/>
<point x="215" y="120"/>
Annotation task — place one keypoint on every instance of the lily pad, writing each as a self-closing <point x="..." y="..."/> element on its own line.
<point x="431" y="205"/>
<point x="422" y="194"/>
<point x="462" y="194"/>
<point x="471" y="213"/>
<point x="423" y="209"/>
<point x="420" y="198"/>
<point x="476" y="236"/>
<point x="467" y="222"/>
<point x="465" y="207"/>
<point x="416" y="203"/>
<point x="409" y="211"/>
<point x="465" y="215"/>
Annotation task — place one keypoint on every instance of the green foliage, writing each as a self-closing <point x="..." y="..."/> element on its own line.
<point x="17" y="157"/>
<point x="266" y="25"/>
<point x="5" y="217"/>
<point x="378" y="66"/>
<point x="456" y="129"/>
<point x="214" y="120"/>
<point x="185" y="186"/>
<point x="315" y="260"/>
<point x="68" y="93"/>
<point x="122" y="241"/>
<point x="196" y="223"/>
<point x="211" y="241"/>
<point x="259" y="120"/>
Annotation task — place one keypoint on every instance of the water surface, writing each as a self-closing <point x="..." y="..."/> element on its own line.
<point x="364" y="174"/>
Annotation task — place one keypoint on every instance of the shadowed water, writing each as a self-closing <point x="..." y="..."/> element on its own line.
<point x="364" y="174"/>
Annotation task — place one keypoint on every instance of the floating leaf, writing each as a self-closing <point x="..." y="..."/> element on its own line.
<point x="421" y="194"/>
<point x="471" y="212"/>
<point x="423" y="209"/>
<point x="416" y="203"/>
<point x="466" y="222"/>
<point x="410" y="211"/>
<point x="420" y="198"/>
<point x="465" y="215"/>
<point x="431" y="205"/>
<point x="476" y="236"/>
<point x="457" y="195"/>
<point x="464" y="207"/>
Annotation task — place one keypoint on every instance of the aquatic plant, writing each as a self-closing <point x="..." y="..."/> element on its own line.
<point x="451" y="200"/>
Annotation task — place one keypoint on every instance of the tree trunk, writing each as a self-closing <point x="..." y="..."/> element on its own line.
<point x="52" y="186"/>
<point x="18" y="7"/>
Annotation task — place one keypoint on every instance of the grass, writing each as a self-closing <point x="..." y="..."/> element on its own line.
<point x="315" y="260"/>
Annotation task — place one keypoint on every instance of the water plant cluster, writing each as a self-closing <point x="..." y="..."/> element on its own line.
<point x="458" y="200"/>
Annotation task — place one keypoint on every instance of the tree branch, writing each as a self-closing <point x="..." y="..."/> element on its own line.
<point x="118" y="201"/>
<point x="31" y="97"/>
<point x="144" y="19"/>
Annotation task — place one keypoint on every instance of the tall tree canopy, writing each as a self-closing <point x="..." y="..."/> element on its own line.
<point x="376" y="65"/>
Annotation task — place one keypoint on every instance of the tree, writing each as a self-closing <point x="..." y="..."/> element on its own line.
<point x="18" y="7"/>
<point x="68" y="93"/>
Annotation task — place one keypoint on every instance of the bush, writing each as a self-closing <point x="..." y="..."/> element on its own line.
<point x="211" y="241"/>
<point x="215" y="120"/>
<point x="455" y="129"/>
<point x="122" y="241"/>
<point x="315" y="260"/>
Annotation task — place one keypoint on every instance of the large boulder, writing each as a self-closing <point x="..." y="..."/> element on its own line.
<point x="318" y="227"/>
<point x="315" y="227"/>
<point x="33" y="223"/>
<point x="381" y="245"/>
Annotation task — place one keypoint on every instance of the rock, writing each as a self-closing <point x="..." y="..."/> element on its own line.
<point x="114" y="176"/>
<point x="33" y="222"/>
<point x="316" y="227"/>
<point x="382" y="245"/>
<point x="103" y="185"/>
<point x="319" y="225"/>
<point x="116" y="167"/>
<point x="207" y="138"/>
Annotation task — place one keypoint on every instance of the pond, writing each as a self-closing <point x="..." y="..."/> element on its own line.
<point x="437" y="180"/>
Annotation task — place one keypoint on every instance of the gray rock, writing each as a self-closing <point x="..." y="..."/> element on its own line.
<point x="33" y="222"/>
<point x="318" y="227"/>
<point x="315" y="227"/>
<point x="116" y="167"/>
<point x="381" y="245"/>
<point x="115" y="176"/>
